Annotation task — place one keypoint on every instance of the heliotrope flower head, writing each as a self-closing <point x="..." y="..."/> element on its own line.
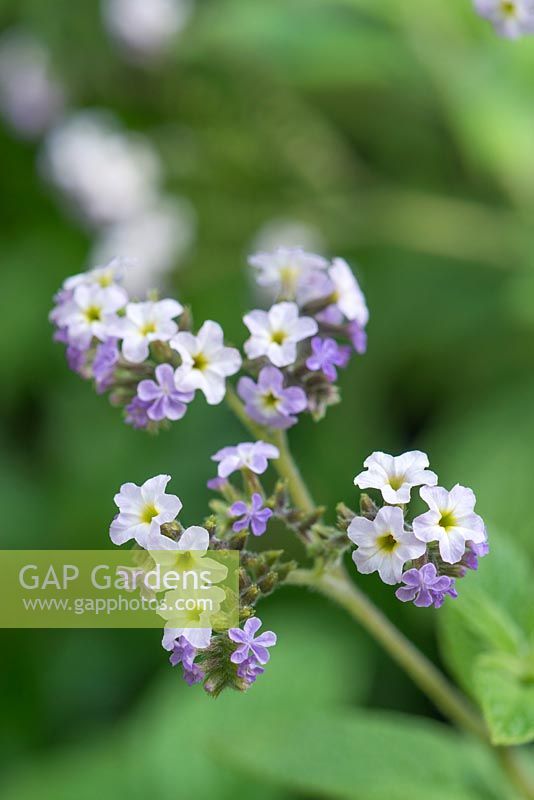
<point x="326" y="356"/>
<point x="510" y="18"/>
<point x="247" y="455"/>
<point x="425" y="587"/>
<point x="250" y="645"/>
<point x="395" y="476"/>
<point x="164" y="399"/>
<point x="206" y="362"/>
<point x="142" y="510"/>
<point x="144" y="323"/>
<point x="269" y="401"/>
<point x="254" y="515"/>
<point x="287" y="269"/>
<point x="384" y="545"/>
<point x="90" y="312"/>
<point x="451" y="521"/>
<point x="276" y="333"/>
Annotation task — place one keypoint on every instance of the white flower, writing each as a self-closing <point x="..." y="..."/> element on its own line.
<point x="451" y="521"/>
<point x="384" y="546"/>
<point x="143" y="28"/>
<point x="31" y="97"/>
<point x="92" y="311"/>
<point x="510" y="18"/>
<point x="286" y="268"/>
<point x="206" y="362"/>
<point x="156" y="239"/>
<point x="107" y="173"/>
<point x="104" y="276"/>
<point x="142" y="510"/>
<point x="188" y="553"/>
<point x="275" y="333"/>
<point x="395" y="476"/>
<point x="247" y="455"/>
<point x="198" y="637"/>
<point x="144" y="323"/>
<point x="348" y="296"/>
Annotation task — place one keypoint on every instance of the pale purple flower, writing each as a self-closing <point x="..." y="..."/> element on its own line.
<point x="136" y="413"/>
<point x="357" y="336"/>
<point x="326" y="356"/>
<point x="425" y="587"/>
<point x="164" y="399"/>
<point x="451" y="521"/>
<point x="253" y="516"/>
<point x="247" y="455"/>
<point x="76" y="358"/>
<point x="184" y="653"/>
<point x="347" y="294"/>
<point x="249" y="670"/>
<point x="145" y="323"/>
<point x="269" y="402"/>
<point x="287" y="269"/>
<point x="473" y="552"/>
<point x="248" y="645"/>
<point x="216" y="484"/>
<point x="104" y="363"/>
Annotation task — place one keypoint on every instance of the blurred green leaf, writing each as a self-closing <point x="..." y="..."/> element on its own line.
<point x="360" y="756"/>
<point x="505" y="688"/>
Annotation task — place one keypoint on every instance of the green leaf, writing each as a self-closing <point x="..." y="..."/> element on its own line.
<point x="485" y="636"/>
<point x="505" y="688"/>
<point x="360" y="756"/>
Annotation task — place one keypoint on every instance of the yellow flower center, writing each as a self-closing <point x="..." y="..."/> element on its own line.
<point x="105" y="280"/>
<point x="148" y="327"/>
<point x="508" y="8"/>
<point x="278" y="337"/>
<point x="447" y="521"/>
<point x="184" y="560"/>
<point x="93" y="314"/>
<point x="270" y="401"/>
<point x="149" y="512"/>
<point x="200" y="362"/>
<point x="387" y="542"/>
<point x="396" y="481"/>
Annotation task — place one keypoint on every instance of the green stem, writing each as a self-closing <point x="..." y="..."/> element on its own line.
<point x="285" y="465"/>
<point x="335" y="584"/>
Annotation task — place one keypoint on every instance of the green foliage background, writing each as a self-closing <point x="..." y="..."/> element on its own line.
<point x="403" y="132"/>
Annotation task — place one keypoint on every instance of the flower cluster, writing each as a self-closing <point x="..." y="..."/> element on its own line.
<point x="294" y="348"/>
<point x="147" y="515"/>
<point x="147" y="357"/>
<point x="510" y="18"/>
<point x="438" y="545"/>
<point x="151" y="363"/>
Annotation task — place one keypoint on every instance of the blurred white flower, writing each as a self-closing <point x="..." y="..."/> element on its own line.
<point x="145" y="28"/>
<point x="31" y="98"/>
<point x="108" y="174"/>
<point x="511" y="18"/>
<point x="153" y="240"/>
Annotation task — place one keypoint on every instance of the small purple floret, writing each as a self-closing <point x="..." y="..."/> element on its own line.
<point x="358" y="337"/>
<point x="249" y="670"/>
<point x="136" y="413"/>
<point x="248" y="645"/>
<point x="425" y="587"/>
<point x="164" y="400"/>
<point x="184" y="653"/>
<point x="104" y="363"/>
<point x="253" y="516"/>
<point x="326" y="356"/>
